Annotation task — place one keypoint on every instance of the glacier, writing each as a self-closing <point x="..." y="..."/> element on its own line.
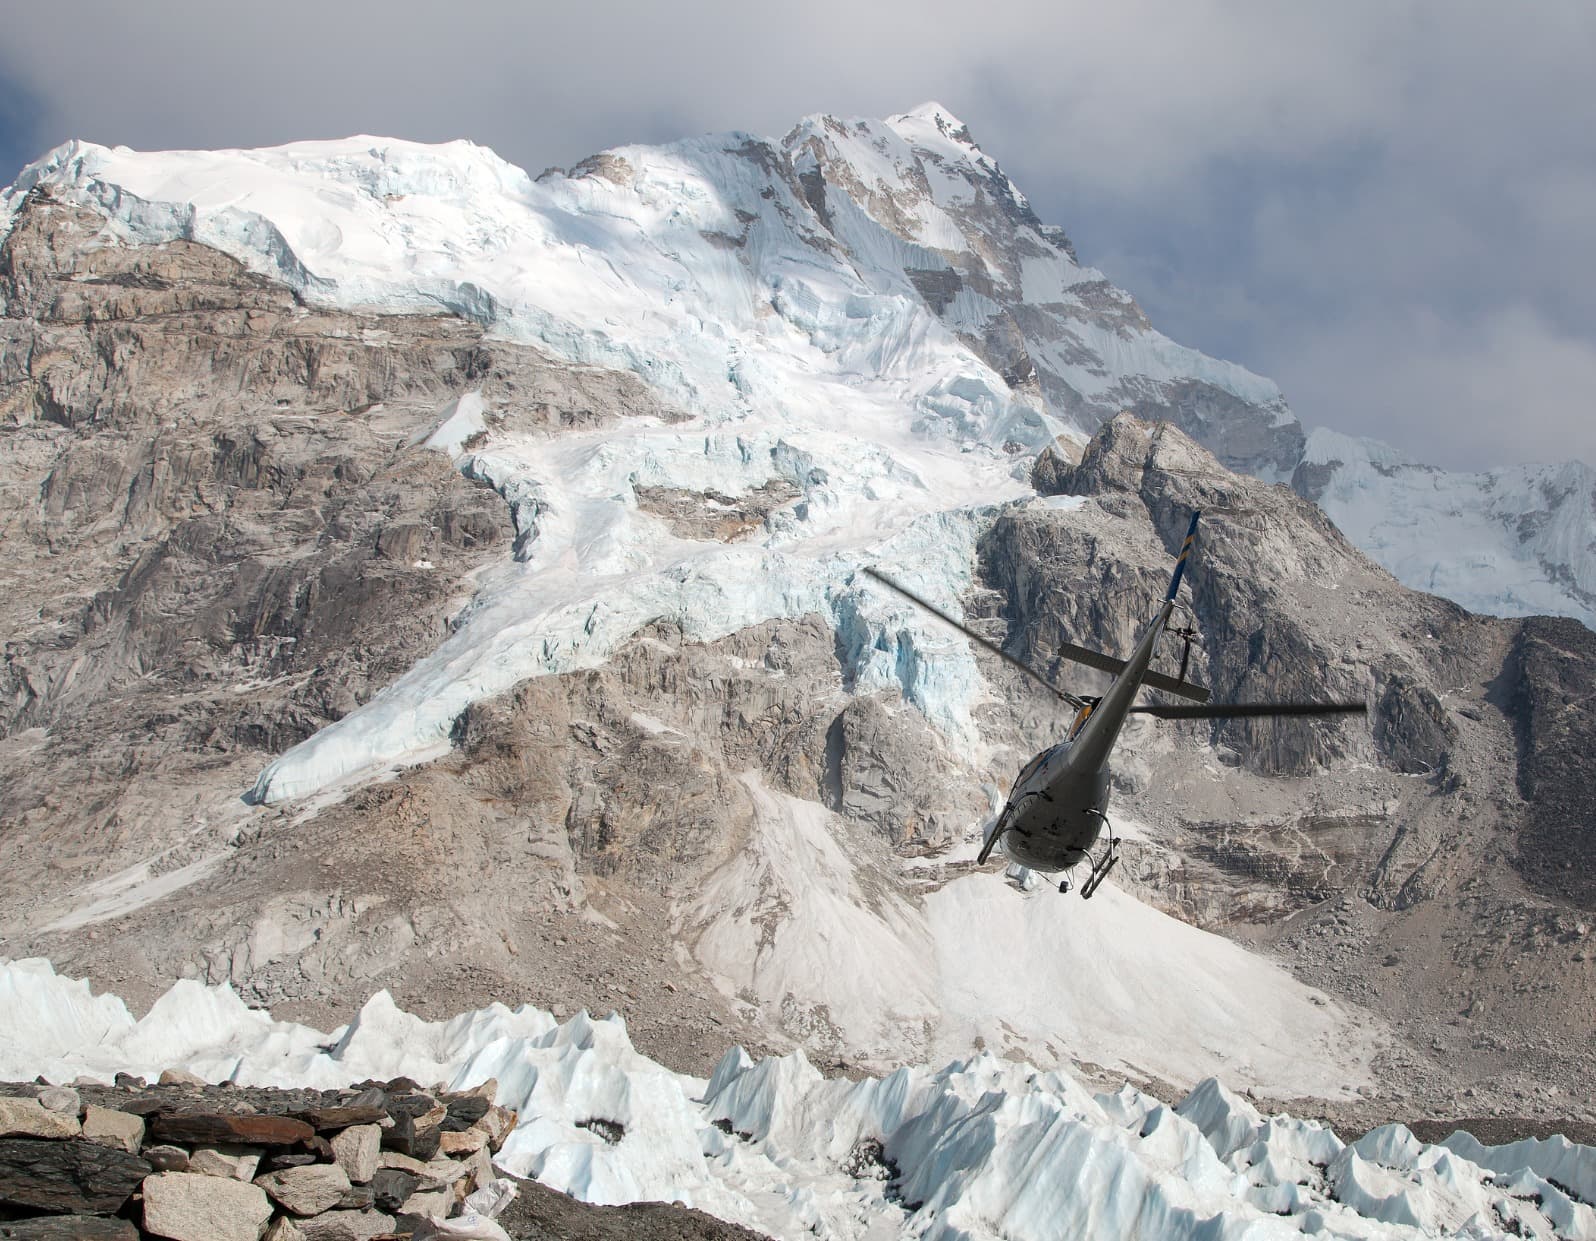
<point x="820" y="310"/>
<point x="978" y="1149"/>
<point x="704" y="267"/>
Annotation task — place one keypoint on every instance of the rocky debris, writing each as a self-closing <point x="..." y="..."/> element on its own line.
<point x="276" y="1168"/>
<point x="540" y="1214"/>
<point x="713" y="514"/>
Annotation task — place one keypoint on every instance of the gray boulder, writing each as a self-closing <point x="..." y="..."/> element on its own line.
<point x="28" y="1118"/>
<point x="189" y="1206"/>
<point x="109" y="1127"/>
<point x="356" y="1150"/>
<point x="309" y="1190"/>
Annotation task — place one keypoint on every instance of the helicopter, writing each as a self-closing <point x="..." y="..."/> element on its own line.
<point x="1058" y="807"/>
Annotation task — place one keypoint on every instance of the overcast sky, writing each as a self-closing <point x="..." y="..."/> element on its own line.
<point x="1389" y="208"/>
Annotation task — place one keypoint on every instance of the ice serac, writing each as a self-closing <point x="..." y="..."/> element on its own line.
<point x="980" y="1149"/>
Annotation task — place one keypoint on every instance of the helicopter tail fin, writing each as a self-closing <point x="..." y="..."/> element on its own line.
<point x="1185" y="555"/>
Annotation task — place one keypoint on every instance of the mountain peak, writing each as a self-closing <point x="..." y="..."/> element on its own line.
<point x="932" y="115"/>
<point x="933" y="111"/>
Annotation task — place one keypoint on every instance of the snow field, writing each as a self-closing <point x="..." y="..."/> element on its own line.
<point x="797" y="922"/>
<point x="980" y="1149"/>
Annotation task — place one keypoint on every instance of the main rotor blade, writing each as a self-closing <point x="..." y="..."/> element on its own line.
<point x="984" y="643"/>
<point x="1246" y="710"/>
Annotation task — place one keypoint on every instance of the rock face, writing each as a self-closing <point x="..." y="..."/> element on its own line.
<point x="1385" y="869"/>
<point x="1550" y="687"/>
<point x="67" y="1176"/>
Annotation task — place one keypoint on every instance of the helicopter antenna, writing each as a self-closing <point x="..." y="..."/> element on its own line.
<point x="984" y="643"/>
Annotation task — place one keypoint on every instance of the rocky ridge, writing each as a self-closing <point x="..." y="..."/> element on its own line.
<point x="193" y="1162"/>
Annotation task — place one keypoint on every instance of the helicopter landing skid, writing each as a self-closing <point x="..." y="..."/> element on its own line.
<point x="1100" y="866"/>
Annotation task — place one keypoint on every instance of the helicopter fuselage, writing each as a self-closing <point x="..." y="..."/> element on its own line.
<point x="1055" y="812"/>
<point x="1059" y="803"/>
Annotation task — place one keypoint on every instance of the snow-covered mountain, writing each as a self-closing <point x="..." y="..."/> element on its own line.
<point x="851" y="269"/>
<point x="797" y="325"/>
<point x="1514" y="541"/>
<point x="868" y="312"/>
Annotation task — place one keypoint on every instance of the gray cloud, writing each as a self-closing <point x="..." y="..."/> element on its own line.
<point x="1384" y="207"/>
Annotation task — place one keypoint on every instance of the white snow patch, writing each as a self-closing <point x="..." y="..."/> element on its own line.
<point x="1117" y="983"/>
<point x="131" y="889"/>
<point x="459" y="420"/>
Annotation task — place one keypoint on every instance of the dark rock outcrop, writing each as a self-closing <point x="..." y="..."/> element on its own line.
<point x="1550" y="685"/>
<point x="67" y="1176"/>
